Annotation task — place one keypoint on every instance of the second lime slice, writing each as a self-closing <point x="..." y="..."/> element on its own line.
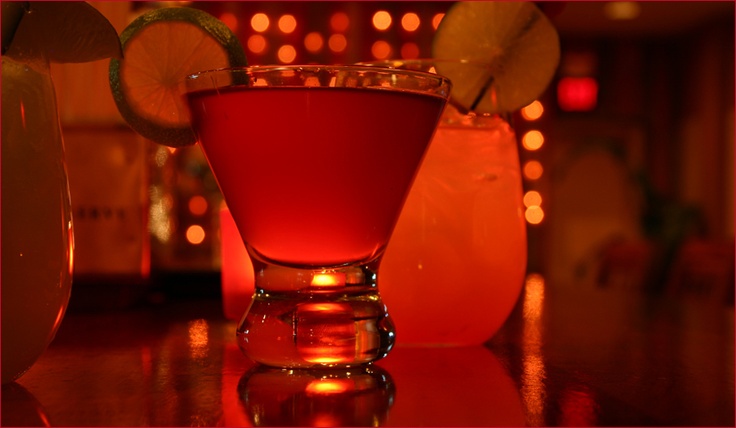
<point x="515" y="38"/>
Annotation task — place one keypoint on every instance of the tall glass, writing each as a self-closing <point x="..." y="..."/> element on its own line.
<point x="456" y="262"/>
<point x="37" y="233"/>
<point x="314" y="163"/>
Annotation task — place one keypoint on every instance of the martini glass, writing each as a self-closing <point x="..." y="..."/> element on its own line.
<point x="315" y="163"/>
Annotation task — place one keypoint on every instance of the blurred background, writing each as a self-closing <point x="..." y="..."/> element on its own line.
<point x="627" y="158"/>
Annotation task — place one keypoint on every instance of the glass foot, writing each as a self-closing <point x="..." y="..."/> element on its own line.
<point x="316" y="318"/>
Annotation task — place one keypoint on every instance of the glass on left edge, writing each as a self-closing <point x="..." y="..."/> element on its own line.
<point x="315" y="163"/>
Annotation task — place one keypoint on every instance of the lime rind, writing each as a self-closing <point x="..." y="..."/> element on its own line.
<point x="61" y="32"/>
<point x="516" y="39"/>
<point x="165" y="131"/>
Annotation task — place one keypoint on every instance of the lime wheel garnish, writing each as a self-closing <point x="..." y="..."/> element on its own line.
<point x="160" y="49"/>
<point x="516" y="40"/>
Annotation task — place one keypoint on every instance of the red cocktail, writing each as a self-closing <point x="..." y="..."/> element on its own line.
<point x="315" y="163"/>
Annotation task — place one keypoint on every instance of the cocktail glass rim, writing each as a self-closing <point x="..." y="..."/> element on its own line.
<point x="443" y="87"/>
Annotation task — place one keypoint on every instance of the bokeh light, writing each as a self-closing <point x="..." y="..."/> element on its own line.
<point x="286" y="54"/>
<point x="534" y="215"/>
<point x="287" y="24"/>
<point x="339" y="22"/>
<point x="532" y="198"/>
<point x="533" y="170"/>
<point x="337" y="43"/>
<point x="198" y="205"/>
<point x="314" y="42"/>
<point x="260" y="22"/>
<point x="230" y="20"/>
<point x="257" y="44"/>
<point x="410" y="50"/>
<point x="195" y="234"/>
<point x="436" y="20"/>
<point x="382" y="20"/>
<point x="410" y="21"/>
<point x="532" y="140"/>
<point x="381" y="49"/>
<point x="533" y="111"/>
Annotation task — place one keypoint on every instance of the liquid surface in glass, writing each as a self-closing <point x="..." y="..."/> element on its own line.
<point x="314" y="176"/>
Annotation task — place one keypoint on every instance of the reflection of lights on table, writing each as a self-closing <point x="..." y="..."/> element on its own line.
<point x="238" y="282"/>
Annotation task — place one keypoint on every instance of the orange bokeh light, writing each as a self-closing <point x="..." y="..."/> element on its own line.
<point x="381" y="49"/>
<point x="257" y="44"/>
<point x="339" y="22"/>
<point x="337" y="43"/>
<point x="260" y="22"/>
<point x="286" y="54"/>
<point x="533" y="170"/>
<point x="532" y="140"/>
<point x="533" y="111"/>
<point x="287" y="24"/>
<point x="410" y="21"/>
<point x="436" y="20"/>
<point x="532" y="198"/>
<point x="230" y="20"/>
<point x="409" y="50"/>
<point x="195" y="234"/>
<point x="314" y="42"/>
<point x="198" y="205"/>
<point x="382" y="20"/>
<point x="534" y="215"/>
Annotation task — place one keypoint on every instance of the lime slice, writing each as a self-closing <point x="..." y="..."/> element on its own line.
<point x="516" y="39"/>
<point x="57" y="31"/>
<point x="161" y="48"/>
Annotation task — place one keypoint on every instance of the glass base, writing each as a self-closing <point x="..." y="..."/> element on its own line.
<point x="306" y="318"/>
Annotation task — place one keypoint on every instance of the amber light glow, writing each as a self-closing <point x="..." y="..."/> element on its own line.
<point x="286" y="54"/>
<point x="287" y="24"/>
<point x="195" y="234"/>
<point x="328" y="279"/>
<point x="314" y="42"/>
<point x="532" y="140"/>
<point x="381" y="49"/>
<point x="534" y="214"/>
<point x="533" y="111"/>
<point x="257" y="44"/>
<point x="198" y="338"/>
<point x="533" y="389"/>
<point x="436" y="20"/>
<point x="260" y="22"/>
<point x="337" y="43"/>
<point x="382" y="20"/>
<point x="532" y="198"/>
<point x="533" y="170"/>
<point x="621" y="10"/>
<point x="410" y="21"/>
<point x="328" y="386"/>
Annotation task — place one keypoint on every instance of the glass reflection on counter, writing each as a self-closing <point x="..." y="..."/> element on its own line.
<point x="330" y="397"/>
<point x="25" y="409"/>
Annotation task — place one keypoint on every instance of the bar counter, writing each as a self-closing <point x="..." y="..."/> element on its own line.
<point x="566" y="357"/>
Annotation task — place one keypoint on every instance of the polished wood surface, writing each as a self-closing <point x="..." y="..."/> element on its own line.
<point x="567" y="357"/>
